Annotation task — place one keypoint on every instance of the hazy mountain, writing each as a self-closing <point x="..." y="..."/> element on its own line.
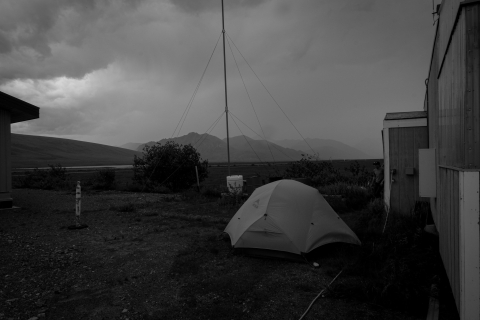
<point x="35" y="151"/>
<point x="215" y="149"/>
<point x="130" y="146"/>
<point x="325" y="148"/>
<point x="371" y="147"/>
<point x="266" y="151"/>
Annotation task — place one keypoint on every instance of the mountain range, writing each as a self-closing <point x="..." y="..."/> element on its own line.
<point x="29" y="151"/>
<point x="246" y="149"/>
<point x="325" y="148"/>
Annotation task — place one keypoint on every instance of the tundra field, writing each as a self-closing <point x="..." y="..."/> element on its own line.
<point x="165" y="256"/>
<point x="217" y="172"/>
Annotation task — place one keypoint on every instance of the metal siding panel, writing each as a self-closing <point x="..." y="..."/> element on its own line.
<point x="470" y="111"/>
<point x="417" y="144"/>
<point x="469" y="103"/>
<point x="394" y="146"/>
<point x="449" y="228"/>
<point x="451" y="233"/>
<point x="441" y="213"/>
<point x="407" y="197"/>
<point x="469" y="266"/>
<point x="455" y="230"/>
<point x="447" y="20"/>
<point x="451" y="86"/>
<point x="421" y="142"/>
<point x="474" y="57"/>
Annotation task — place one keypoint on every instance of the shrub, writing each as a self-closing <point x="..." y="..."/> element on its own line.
<point x="353" y="197"/>
<point x="54" y="178"/>
<point x="371" y="221"/>
<point x="394" y="268"/>
<point x="103" y="179"/>
<point x="211" y="192"/>
<point x="360" y="175"/>
<point x="171" y="165"/>
<point x="321" y="173"/>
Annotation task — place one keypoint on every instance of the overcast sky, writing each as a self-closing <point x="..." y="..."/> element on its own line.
<point x="123" y="71"/>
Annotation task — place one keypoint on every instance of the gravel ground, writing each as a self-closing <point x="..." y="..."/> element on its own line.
<point x="144" y="256"/>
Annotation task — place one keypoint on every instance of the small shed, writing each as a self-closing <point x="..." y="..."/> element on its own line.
<point x="404" y="133"/>
<point x="12" y="110"/>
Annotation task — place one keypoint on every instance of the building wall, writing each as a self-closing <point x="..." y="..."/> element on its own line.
<point x="453" y="105"/>
<point x="5" y="164"/>
<point x="448" y="15"/>
<point x="447" y="223"/>
<point x="472" y="88"/>
<point x="403" y="152"/>
<point x="451" y="101"/>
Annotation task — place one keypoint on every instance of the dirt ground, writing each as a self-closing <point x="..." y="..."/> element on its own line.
<point x="147" y="256"/>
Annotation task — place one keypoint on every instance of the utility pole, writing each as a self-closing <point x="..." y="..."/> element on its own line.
<point x="225" y="77"/>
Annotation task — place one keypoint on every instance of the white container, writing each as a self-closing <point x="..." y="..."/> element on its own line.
<point x="235" y="184"/>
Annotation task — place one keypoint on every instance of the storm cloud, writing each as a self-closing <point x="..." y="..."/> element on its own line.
<point x="124" y="71"/>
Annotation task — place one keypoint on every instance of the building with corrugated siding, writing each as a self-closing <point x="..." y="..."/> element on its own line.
<point x="448" y="151"/>
<point x="12" y="110"/>
<point x="404" y="133"/>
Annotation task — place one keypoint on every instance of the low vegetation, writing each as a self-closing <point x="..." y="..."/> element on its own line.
<point x="169" y="165"/>
<point x="394" y="267"/>
<point x="54" y="178"/>
<point x="103" y="179"/>
<point x="396" y="263"/>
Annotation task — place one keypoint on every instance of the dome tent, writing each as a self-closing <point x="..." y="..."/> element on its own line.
<point x="286" y="218"/>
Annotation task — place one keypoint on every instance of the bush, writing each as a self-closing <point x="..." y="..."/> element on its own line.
<point x="394" y="268"/>
<point x="360" y="175"/>
<point x="103" y="179"/>
<point x="354" y="197"/>
<point x="170" y="165"/>
<point x="54" y="178"/>
<point x="212" y="192"/>
<point x="321" y="173"/>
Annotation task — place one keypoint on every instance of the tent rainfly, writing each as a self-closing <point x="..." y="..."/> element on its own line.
<point x="287" y="217"/>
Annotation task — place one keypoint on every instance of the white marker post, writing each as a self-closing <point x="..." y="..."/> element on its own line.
<point x="78" y="204"/>
<point x="78" y="209"/>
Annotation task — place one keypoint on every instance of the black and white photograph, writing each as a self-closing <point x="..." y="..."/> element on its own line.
<point x="240" y="159"/>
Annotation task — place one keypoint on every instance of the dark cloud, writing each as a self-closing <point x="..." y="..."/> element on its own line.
<point x="118" y="71"/>
<point x="5" y="45"/>
<point x="34" y="32"/>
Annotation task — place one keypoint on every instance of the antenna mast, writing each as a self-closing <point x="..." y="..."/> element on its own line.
<point x="225" y="77"/>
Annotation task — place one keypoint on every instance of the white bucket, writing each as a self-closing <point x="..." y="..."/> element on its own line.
<point x="235" y="184"/>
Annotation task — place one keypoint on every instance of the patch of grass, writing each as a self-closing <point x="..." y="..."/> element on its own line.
<point x="345" y="197"/>
<point x="393" y="269"/>
<point x="126" y="207"/>
<point x="103" y="179"/>
<point x="54" y="178"/>
<point x="212" y="192"/>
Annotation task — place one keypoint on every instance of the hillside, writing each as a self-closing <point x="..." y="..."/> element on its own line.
<point x="130" y="146"/>
<point x="215" y="149"/>
<point x="267" y="151"/>
<point x="35" y="151"/>
<point x="325" y="148"/>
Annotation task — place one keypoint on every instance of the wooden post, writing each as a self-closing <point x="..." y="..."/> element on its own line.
<point x="78" y="204"/>
<point x="198" y="181"/>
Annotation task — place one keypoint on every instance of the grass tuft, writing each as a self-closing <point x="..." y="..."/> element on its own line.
<point x="394" y="268"/>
